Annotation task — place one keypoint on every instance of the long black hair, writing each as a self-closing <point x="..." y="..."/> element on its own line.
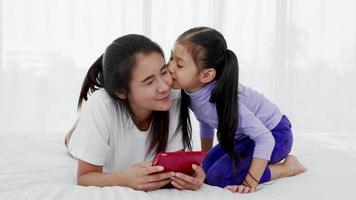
<point x="112" y="71"/>
<point x="209" y="49"/>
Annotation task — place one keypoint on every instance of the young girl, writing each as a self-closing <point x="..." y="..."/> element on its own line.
<point x="129" y="117"/>
<point x="254" y="136"/>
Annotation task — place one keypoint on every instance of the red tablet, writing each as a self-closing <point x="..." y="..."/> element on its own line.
<point x="179" y="161"/>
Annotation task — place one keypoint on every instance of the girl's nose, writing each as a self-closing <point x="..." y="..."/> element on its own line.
<point x="170" y="68"/>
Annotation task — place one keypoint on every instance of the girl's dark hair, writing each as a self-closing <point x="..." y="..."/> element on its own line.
<point x="209" y="50"/>
<point x="112" y="71"/>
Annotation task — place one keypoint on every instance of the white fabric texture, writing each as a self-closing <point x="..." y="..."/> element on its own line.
<point x="106" y="135"/>
<point x="36" y="166"/>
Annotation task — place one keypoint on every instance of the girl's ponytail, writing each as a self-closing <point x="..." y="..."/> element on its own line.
<point x="92" y="81"/>
<point x="225" y="96"/>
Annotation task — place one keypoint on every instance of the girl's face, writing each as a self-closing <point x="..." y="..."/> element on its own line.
<point x="185" y="72"/>
<point x="150" y="85"/>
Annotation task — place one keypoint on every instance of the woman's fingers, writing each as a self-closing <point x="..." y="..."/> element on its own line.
<point x="154" y="177"/>
<point x="186" y="182"/>
<point x="183" y="181"/>
<point x="155" y="185"/>
<point x="145" y="164"/>
<point x="186" y="178"/>
<point x="152" y="169"/>
<point x="146" y="177"/>
<point x="159" y="176"/>
<point x="199" y="171"/>
<point x="182" y="185"/>
<point x="177" y="185"/>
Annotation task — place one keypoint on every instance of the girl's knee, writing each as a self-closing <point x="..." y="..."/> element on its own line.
<point x="282" y="148"/>
<point x="218" y="174"/>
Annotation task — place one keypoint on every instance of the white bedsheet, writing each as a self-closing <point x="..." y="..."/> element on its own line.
<point x="36" y="166"/>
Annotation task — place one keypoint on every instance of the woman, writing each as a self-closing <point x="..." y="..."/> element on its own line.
<point x="130" y="117"/>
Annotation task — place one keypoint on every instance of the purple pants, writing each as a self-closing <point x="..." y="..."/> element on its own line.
<point x="218" y="164"/>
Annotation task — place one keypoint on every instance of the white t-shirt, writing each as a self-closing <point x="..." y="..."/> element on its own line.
<point x="106" y="136"/>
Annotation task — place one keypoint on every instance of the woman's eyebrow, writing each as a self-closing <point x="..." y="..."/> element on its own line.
<point x="147" y="78"/>
<point x="151" y="76"/>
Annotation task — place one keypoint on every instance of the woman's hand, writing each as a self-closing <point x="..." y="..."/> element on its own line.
<point x="240" y="189"/>
<point x="186" y="182"/>
<point x="144" y="176"/>
<point x="140" y="176"/>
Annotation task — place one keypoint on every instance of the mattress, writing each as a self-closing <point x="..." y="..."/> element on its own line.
<point x="37" y="166"/>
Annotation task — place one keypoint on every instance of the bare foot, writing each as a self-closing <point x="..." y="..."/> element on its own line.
<point x="293" y="165"/>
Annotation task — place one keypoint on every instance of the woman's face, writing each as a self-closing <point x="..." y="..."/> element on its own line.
<point x="184" y="71"/>
<point x="150" y="86"/>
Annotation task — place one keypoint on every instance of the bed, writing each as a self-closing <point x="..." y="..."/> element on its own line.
<point x="36" y="166"/>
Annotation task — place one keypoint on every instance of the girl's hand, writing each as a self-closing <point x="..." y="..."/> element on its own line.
<point x="240" y="189"/>
<point x="185" y="182"/>
<point x="144" y="176"/>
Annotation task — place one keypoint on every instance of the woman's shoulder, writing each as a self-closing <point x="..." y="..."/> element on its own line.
<point x="101" y="96"/>
<point x="101" y="101"/>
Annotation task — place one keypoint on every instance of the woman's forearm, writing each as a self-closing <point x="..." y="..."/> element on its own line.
<point x="101" y="179"/>
<point x="256" y="170"/>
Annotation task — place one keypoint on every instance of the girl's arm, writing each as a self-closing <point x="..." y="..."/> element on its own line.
<point x="256" y="170"/>
<point x="206" y="143"/>
<point x="206" y="136"/>
<point x="251" y="126"/>
<point x="140" y="176"/>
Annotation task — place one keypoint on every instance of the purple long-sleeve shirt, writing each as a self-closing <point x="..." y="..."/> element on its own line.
<point x="257" y="116"/>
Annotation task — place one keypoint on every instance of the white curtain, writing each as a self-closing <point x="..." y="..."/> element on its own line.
<point x="301" y="54"/>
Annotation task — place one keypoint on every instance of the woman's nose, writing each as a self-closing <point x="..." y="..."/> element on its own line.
<point x="163" y="86"/>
